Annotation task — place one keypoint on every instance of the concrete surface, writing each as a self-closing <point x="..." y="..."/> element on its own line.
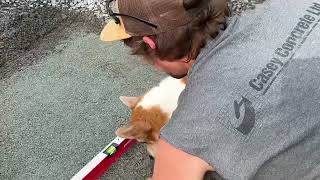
<point x="58" y="113"/>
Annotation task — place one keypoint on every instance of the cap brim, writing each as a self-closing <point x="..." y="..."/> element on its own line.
<point x="114" y="32"/>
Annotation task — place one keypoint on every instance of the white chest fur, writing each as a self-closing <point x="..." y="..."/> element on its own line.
<point x="165" y="95"/>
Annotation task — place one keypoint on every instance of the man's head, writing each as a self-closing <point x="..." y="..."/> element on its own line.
<point x="169" y="34"/>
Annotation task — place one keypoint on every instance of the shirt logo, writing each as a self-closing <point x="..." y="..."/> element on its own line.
<point x="248" y="120"/>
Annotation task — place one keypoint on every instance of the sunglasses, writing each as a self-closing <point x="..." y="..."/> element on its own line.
<point x="115" y="17"/>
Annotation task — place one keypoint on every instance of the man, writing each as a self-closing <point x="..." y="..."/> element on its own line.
<point x="251" y="108"/>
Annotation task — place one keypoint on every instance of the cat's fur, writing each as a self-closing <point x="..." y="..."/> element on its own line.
<point x="151" y="112"/>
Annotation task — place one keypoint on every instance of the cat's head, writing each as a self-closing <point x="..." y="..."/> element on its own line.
<point x="145" y="122"/>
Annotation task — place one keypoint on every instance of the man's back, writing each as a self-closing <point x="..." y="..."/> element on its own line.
<point x="252" y="105"/>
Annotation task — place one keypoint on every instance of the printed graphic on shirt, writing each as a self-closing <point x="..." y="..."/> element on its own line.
<point x="282" y="55"/>
<point x="242" y="114"/>
<point x="249" y="115"/>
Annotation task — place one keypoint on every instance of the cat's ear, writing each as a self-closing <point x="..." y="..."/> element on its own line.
<point x="126" y="132"/>
<point x="139" y="130"/>
<point x="131" y="102"/>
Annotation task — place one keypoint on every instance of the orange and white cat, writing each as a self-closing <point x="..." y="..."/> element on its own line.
<point x="151" y="112"/>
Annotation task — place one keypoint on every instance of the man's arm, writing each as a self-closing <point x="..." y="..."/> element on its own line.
<point x="174" y="164"/>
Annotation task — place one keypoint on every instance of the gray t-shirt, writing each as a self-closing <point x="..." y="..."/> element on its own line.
<point x="252" y="105"/>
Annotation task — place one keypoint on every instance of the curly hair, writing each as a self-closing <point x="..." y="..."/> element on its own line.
<point x="188" y="40"/>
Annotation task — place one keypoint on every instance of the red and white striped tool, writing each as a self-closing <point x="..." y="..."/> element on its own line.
<point x="103" y="161"/>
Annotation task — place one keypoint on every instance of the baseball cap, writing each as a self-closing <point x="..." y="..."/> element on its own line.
<point x="144" y="17"/>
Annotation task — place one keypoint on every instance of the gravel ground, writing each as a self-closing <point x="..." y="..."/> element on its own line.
<point x="98" y="7"/>
<point x="54" y="72"/>
<point x="24" y="33"/>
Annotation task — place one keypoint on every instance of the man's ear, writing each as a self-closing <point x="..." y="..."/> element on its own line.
<point x="150" y="42"/>
<point x="131" y="102"/>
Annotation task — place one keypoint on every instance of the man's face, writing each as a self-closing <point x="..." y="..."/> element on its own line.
<point x="177" y="69"/>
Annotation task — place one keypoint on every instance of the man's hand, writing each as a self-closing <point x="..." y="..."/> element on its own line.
<point x="174" y="164"/>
